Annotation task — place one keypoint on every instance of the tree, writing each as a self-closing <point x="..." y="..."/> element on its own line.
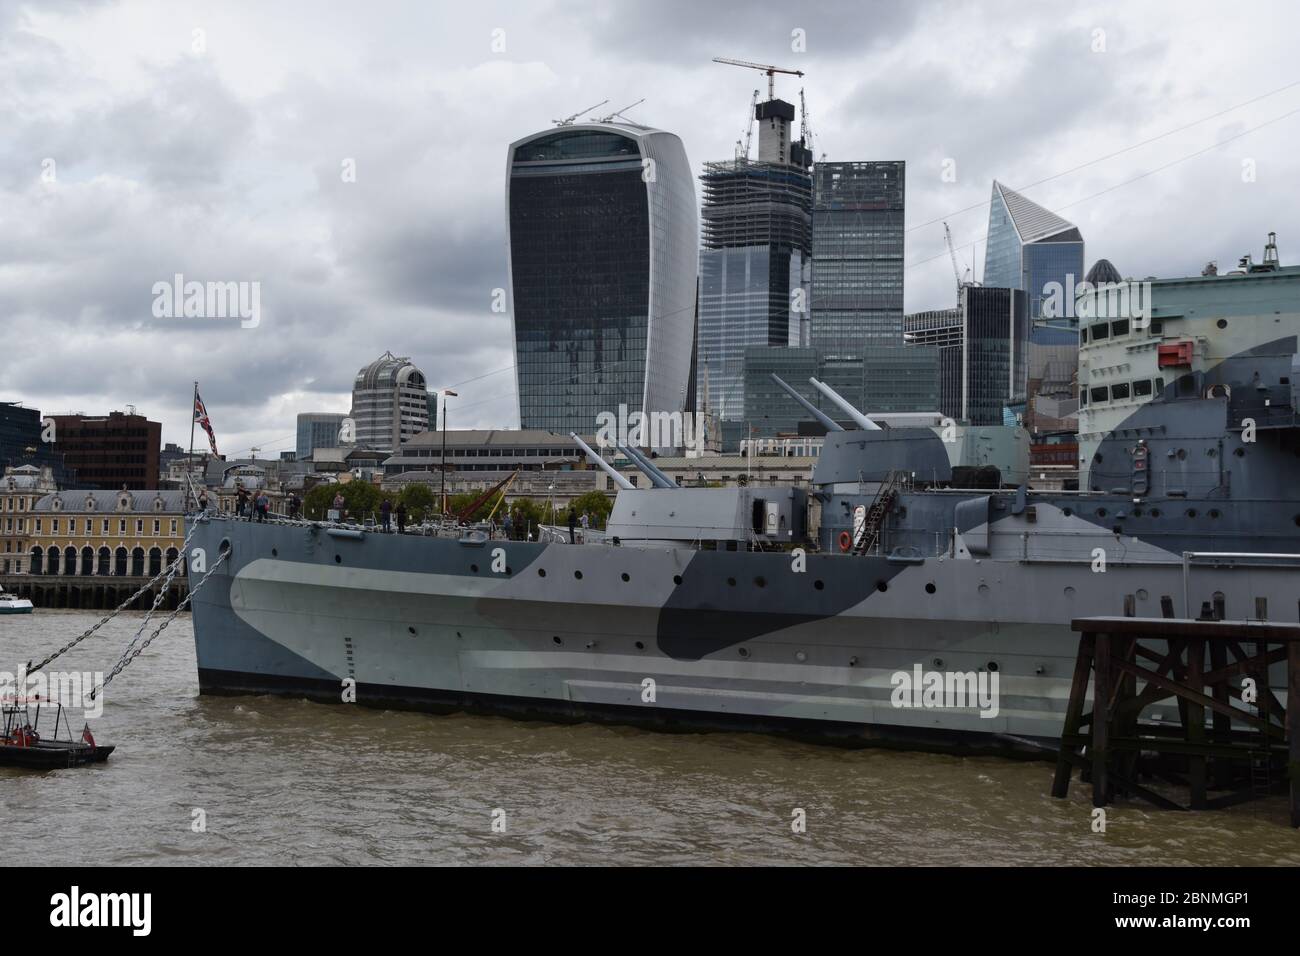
<point x="595" y="503"/>
<point x="421" y="503"/>
<point x="361" y="500"/>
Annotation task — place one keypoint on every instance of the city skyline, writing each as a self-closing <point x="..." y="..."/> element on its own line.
<point x="239" y="171"/>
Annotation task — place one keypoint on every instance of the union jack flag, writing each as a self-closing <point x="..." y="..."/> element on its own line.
<point x="201" y="417"/>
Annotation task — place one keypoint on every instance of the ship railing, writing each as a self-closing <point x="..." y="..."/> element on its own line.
<point x="1252" y="559"/>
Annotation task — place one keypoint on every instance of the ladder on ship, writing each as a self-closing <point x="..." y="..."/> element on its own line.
<point x="874" y="523"/>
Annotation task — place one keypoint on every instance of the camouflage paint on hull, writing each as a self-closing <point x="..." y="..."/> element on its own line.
<point x="728" y="638"/>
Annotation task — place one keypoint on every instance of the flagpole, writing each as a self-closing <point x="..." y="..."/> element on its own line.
<point x="190" y="465"/>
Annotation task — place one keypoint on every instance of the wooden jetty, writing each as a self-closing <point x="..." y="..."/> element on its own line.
<point x="1248" y="748"/>
<point x="91" y="591"/>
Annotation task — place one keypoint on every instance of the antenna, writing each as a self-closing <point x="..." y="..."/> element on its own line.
<point x="568" y="120"/>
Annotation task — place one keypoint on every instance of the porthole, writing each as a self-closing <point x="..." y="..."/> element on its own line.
<point x="640" y="646"/>
<point x="625" y="576"/>
<point x="338" y="559"/>
<point x="541" y="572"/>
<point x="1239" y="452"/>
<point x="1215" y="512"/>
<point x="1155" y="512"/>
<point x="992" y="667"/>
<point x="930" y="588"/>
<point x="1191" y="512"/>
<point x="1069" y="592"/>
<point x="1222" y="323"/>
<point x="1067" y="511"/>
<point x="731" y="582"/>
<point x="474" y="568"/>
<point x="760" y="581"/>
<point x="275" y="553"/>
<point x="1181" y="454"/>
<point x="410" y="630"/>
<point x="1101" y="512"/>
<point x="556" y="640"/>
<point x="820" y="585"/>
<point x="882" y="586"/>
<point x="577" y="575"/>
<point x="677" y="579"/>
<point x="744" y="652"/>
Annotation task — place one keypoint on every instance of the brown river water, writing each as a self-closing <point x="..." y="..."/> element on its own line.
<point x="282" y="781"/>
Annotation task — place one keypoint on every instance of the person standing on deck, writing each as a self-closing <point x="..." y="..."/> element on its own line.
<point x="573" y="523"/>
<point x="385" y="515"/>
<point x="401" y="517"/>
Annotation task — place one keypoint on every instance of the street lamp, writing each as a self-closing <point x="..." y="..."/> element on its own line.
<point x="443" y="463"/>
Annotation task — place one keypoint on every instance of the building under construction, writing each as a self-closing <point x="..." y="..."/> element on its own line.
<point x="756" y="243"/>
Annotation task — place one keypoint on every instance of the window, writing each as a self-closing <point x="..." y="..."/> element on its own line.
<point x="1119" y="390"/>
<point x="54" y="525"/>
<point x="1142" y="388"/>
<point x="1099" y="394"/>
<point x="157" y="525"/>
<point x="139" y="526"/>
<point x="121" y="526"/>
<point x="1119" y="327"/>
<point x="1100" y="331"/>
<point x="173" y="527"/>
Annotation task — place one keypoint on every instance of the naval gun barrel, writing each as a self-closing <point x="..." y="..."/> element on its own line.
<point x="602" y="464"/>
<point x="863" y="422"/>
<point x="830" y="423"/>
<point x="657" y="477"/>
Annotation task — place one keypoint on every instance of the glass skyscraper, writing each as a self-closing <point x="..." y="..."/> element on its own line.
<point x="857" y="252"/>
<point x="1030" y="247"/>
<point x="754" y="265"/>
<point x="603" y="245"/>
<point x="317" y="430"/>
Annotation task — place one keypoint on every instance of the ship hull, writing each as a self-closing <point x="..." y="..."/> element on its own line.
<point x="665" y="637"/>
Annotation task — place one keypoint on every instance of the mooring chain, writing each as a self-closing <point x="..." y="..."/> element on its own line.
<point x="171" y="569"/>
<point x="132" y="654"/>
<point x="157" y="601"/>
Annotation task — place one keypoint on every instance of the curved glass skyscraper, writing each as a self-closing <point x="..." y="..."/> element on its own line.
<point x="603" y="242"/>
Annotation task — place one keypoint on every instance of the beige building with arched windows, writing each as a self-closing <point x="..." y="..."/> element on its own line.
<point x="105" y="533"/>
<point x="20" y="489"/>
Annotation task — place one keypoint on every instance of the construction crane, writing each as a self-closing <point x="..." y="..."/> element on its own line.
<point x="743" y="153"/>
<point x="568" y="120"/>
<point x="767" y="68"/>
<point x="805" y="131"/>
<point x="619" y="113"/>
<point x="956" y="269"/>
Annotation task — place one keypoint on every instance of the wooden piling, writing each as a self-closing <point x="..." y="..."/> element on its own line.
<point x="1129" y="673"/>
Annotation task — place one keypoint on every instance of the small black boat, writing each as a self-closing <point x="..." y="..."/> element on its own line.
<point x="22" y="746"/>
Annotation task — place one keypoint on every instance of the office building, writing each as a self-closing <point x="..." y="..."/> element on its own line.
<point x="755" y="268"/>
<point x="22" y="443"/>
<point x="323" y="430"/>
<point x="390" y="403"/>
<point x="110" y="452"/>
<point x="1030" y="248"/>
<point x="603" y="242"/>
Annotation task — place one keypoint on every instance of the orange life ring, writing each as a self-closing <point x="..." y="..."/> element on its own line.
<point x="846" y="541"/>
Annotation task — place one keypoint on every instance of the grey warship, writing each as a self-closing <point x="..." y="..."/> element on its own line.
<point x="794" y="610"/>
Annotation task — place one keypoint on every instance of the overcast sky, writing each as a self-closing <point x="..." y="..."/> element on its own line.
<point x="219" y="155"/>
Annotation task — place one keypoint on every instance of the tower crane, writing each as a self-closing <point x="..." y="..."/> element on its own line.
<point x="749" y="129"/>
<point x="568" y="120"/>
<point x="767" y="68"/>
<point x="805" y="131"/>
<point x="956" y="270"/>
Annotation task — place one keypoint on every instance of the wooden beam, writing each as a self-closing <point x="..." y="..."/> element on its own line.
<point x="1293" y="729"/>
<point x="1198" y="699"/>
<point x="1073" y="714"/>
<point x="1100" y="720"/>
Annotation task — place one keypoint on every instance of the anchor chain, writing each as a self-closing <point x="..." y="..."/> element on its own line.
<point x="131" y="653"/>
<point x="169" y="571"/>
